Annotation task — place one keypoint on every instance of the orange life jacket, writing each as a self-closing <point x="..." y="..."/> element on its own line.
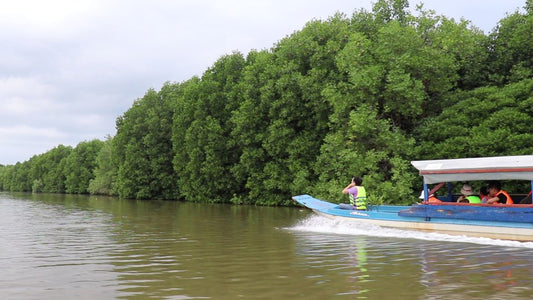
<point x="509" y="199"/>
<point x="433" y="199"/>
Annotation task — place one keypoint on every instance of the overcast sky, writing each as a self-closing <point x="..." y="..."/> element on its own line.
<point x="69" y="68"/>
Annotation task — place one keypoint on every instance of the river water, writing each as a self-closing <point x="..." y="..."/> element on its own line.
<point x="81" y="247"/>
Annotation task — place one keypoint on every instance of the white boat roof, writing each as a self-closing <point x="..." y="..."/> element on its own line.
<point x="482" y="168"/>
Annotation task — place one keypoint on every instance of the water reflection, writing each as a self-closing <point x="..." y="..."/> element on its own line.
<point x="406" y="268"/>
<point x="53" y="248"/>
<point x="198" y="251"/>
<point x="477" y="271"/>
<point x="360" y="275"/>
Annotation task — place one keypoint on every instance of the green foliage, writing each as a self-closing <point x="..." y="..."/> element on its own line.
<point x="370" y="148"/>
<point x="201" y="133"/>
<point x="398" y="71"/>
<point x="510" y="56"/>
<point x="105" y="171"/>
<point x="142" y="149"/>
<point x="37" y="186"/>
<point x="490" y="121"/>
<point x="41" y="173"/>
<point x="283" y="117"/>
<point x="51" y="169"/>
<point x="80" y="165"/>
<point x="389" y="10"/>
<point x="374" y="200"/>
<point x="464" y="47"/>
<point x="19" y="179"/>
<point x="249" y="122"/>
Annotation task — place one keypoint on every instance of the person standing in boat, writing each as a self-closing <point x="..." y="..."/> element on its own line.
<point x="497" y="195"/>
<point x="467" y="195"/>
<point x="357" y="194"/>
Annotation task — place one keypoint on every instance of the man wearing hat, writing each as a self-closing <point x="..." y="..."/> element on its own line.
<point x="467" y="196"/>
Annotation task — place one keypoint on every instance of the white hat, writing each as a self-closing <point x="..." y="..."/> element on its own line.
<point x="422" y="195"/>
<point x="466" y="190"/>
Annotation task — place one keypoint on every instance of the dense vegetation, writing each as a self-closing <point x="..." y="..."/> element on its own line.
<point x="361" y="95"/>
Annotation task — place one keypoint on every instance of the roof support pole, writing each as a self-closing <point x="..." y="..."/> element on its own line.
<point x="426" y="195"/>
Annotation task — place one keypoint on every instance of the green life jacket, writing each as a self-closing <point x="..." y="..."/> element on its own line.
<point x="473" y="199"/>
<point x="360" y="201"/>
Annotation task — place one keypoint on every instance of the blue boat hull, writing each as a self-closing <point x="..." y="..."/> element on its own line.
<point x="501" y="222"/>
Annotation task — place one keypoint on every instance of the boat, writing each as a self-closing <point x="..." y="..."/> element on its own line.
<point x="496" y="221"/>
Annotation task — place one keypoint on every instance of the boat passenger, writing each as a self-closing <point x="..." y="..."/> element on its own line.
<point x="467" y="196"/>
<point x="497" y="195"/>
<point x="357" y="194"/>
<point x="484" y="194"/>
<point x="431" y="198"/>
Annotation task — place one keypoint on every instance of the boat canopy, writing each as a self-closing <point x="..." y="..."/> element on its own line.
<point x="482" y="168"/>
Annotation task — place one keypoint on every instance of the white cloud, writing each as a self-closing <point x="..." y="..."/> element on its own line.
<point x="26" y="141"/>
<point x="20" y="97"/>
<point x="483" y="14"/>
<point x="24" y="132"/>
<point x="47" y="18"/>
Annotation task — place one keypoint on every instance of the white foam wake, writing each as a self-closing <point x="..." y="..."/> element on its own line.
<point x="315" y="223"/>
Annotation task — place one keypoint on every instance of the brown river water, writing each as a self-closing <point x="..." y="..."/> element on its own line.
<point x="86" y="247"/>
